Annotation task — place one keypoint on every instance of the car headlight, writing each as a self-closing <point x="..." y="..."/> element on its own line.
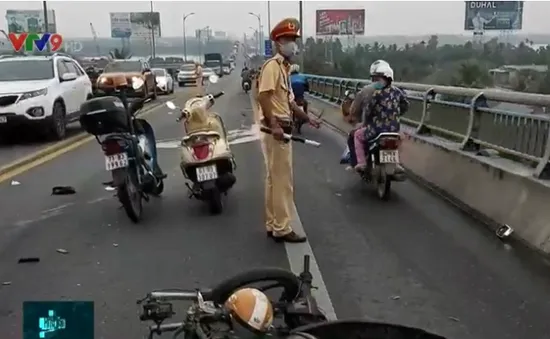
<point x="161" y="81"/>
<point x="138" y="81"/>
<point x="33" y="94"/>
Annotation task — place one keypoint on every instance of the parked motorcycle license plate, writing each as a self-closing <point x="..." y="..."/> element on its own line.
<point x="115" y="161"/>
<point x="389" y="157"/>
<point x="3" y="120"/>
<point x="207" y="173"/>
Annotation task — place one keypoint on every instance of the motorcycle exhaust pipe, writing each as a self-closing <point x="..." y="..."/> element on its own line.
<point x="293" y="137"/>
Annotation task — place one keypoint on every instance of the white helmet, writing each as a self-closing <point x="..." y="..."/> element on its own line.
<point x="294" y="68"/>
<point x="381" y="68"/>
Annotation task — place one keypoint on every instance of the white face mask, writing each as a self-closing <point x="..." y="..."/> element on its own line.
<point x="289" y="49"/>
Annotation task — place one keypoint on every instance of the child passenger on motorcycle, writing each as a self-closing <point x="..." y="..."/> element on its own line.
<point x="380" y="112"/>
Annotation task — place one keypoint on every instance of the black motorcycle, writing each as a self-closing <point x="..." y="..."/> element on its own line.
<point x="129" y="147"/>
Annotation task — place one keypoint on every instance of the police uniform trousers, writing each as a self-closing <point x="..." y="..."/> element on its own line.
<point x="279" y="190"/>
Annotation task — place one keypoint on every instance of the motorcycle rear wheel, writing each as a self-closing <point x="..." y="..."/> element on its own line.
<point x="130" y="198"/>
<point x="288" y="280"/>
<point x="215" y="203"/>
<point x="383" y="186"/>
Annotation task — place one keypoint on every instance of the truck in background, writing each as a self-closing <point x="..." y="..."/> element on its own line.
<point x="215" y="62"/>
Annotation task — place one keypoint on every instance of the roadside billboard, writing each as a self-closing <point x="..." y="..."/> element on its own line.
<point x="340" y="22"/>
<point x="30" y="21"/>
<point x="135" y="24"/>
<point x="493" y="15"/>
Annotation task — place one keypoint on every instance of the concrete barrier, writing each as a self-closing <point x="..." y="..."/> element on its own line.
<point x="499" y="189"/>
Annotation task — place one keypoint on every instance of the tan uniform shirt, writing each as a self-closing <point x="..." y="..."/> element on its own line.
<point x="275" y="77"/>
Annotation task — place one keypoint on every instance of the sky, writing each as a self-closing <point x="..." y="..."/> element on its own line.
<point x="382" y="17"/>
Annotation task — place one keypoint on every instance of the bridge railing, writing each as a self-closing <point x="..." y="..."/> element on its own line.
<point x="479" y="119"/>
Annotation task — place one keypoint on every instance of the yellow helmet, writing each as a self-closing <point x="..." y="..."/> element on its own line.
<point x="251" y="308"/>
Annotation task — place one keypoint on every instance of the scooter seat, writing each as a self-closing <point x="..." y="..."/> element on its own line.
<point x="385" y="135"/>
<point x="200" y="133"/>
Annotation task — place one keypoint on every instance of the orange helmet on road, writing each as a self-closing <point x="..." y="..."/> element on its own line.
<point x="251" y="308"/>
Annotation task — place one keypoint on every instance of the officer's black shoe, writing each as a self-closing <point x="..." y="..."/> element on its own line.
<point x="292" y="237"/>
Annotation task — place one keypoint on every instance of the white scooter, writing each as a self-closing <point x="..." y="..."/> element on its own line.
<point x="206" y="159"/>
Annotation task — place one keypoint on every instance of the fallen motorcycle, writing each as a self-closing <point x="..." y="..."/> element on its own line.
<point x="302" y="318"/>
<point x="382" y="155"/>
<point x="208" y="318"/>
<point x="206" y="158"/>
<point x="128" y="144"/>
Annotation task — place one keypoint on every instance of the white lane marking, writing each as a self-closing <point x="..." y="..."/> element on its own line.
<point x="295" y="254"/>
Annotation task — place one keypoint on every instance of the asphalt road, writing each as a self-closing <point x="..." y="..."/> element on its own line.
<point x="28" y="141"/>
<point x="412" y="260"/>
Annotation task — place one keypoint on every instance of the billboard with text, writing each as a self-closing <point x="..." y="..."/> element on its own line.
<point x="30" y="21"/>
<point x="135" y="24"/>
<point x="340" y="22"/>
<point x="493" y="15"/>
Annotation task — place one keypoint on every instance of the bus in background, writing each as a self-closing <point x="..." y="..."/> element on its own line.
<point x="215" y="62"/>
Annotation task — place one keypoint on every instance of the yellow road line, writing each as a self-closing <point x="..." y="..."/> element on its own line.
<point x="51" y="152"/>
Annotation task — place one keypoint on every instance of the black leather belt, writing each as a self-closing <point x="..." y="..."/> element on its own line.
<point x="285" y="124"/>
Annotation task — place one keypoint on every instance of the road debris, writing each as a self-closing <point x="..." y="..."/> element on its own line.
<point x="6" y="283"/>
<point x="62" y="251"/>
<point x="15" y="183"/>
<point x="28" y="260"/>
<point x="63" y="190"/>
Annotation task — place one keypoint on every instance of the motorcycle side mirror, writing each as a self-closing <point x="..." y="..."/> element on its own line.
<point x="137" y="83"/>
<point x="170" y="105"/>
<point x="213" y="79"/>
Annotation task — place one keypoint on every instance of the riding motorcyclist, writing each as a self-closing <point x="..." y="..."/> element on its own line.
<point x="299" y="87"/>
<point x="246" y="76"/>
<point x="379" y="105"/>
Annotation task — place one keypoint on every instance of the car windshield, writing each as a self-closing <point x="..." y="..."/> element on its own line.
<point x="189" y="67"/>
<point x="21" y="70"/>
<point x="159" y="72"/>
<point x="123" y="66"/>
<point x="212" y="63"/>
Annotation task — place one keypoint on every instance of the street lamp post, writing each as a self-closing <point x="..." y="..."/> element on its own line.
<point x="45" y="9"/>
<point x="200" y="40"/>
<point x="256" y="35"/>
<point x="184" y="36"/>
<point x="259" y="30"/>
<point x="151" y="21"/>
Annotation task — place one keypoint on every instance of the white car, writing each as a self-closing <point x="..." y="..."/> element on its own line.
<point x="165" y="83"/>
<point x="43" y="91"/>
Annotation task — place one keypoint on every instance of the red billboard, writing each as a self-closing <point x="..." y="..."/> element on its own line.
<point x="340" y="22"/>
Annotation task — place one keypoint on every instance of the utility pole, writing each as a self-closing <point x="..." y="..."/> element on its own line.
<point x="184" y="36"/>
<point x="302" y="42"/>
<point x="269" y="16"/>
<point x="45" y="7"/>
<point x="153" y="45"/>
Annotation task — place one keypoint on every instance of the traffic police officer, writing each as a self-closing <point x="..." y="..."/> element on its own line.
<point x="199" y="80"/>
<point x="277" y="105"/>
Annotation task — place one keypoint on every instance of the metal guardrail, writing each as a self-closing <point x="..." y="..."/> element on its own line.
<point x="479" y="119"/>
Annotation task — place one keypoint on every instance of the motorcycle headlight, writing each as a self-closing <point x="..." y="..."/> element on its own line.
<point x="137" y="82"/>
<point x="33" y="94"/>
